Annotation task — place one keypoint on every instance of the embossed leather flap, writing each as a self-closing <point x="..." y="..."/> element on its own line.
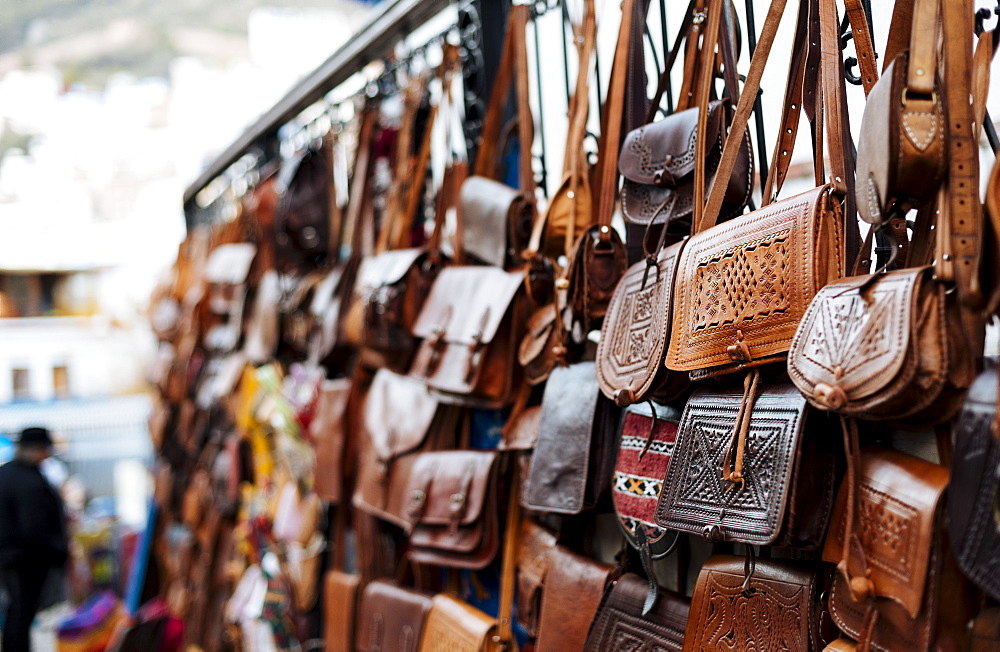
<point x="662" y="153"/>
<point x="398" y="414"/>
<point x="743" y="286"/>
<point x="561" y="464"/>
<point x="644" y="451"/>
<point x="636" y="329"/>
<point x="695" y="496"/>
<point x="453" y="626"/>
<point x="974" y="485"/>
<point x="451" y="487"/>
<point x="390" y="617"/>
<point x="857" y="342"/>
<point x="896" y="518"/>
<point x="620" y="625"/>
<point x="573" y="591"/>
<point x="774" y="612"/>
<point x="492" y="212"/>
<point x="467" y="304"/>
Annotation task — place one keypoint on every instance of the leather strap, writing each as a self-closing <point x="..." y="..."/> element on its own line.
<point x="611" y="131"/>
<point x="336" y="215"/>
<point x="668" y="64"/>
<point x="508" y="567"/>
<point x="359" y="216"/>
<point x="862" y="43"/>
<point x="899" y="31"/>
<point x="923" y="48"/>
<point x="706" y="79"/>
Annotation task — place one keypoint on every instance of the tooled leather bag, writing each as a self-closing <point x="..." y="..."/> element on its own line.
<point x="974" y="486"/>
<point x="496" y="219"/>
<point x="780" y="490"/>
<point x="470" y="324"/>
<point x="390" y="617"/>
<point x="748" y="604"/>
<point x="574" y="588"/>
<point x="743" y="286"/>
<point x="896" y="345"/>
<point x="897" y="586"/>
<point x="452" y="508"/>
<point x="574" y="453"/>
<point x="622" y="623"/>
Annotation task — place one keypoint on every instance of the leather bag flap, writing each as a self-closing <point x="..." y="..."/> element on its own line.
<point x="557" y="481"/>
<point x="467" y="304"/>
<point x="385" y="269"/>
<point x="857" y="342"/>
<point x="453" y="626"/>
<point x="229" y="264"/>
<point x="620" y="618"/>
<point x="398" y="414"/>
<point x="695" y="496"/>
<point x="663" y="153"/>
<point x="522" y="433"/>
<point x="896" y="521"/>
<point x="450" y="487"/>
<point x="485" y="206"/>
<point x="390" y="617"/>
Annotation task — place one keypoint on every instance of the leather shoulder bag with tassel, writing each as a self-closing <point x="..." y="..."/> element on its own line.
<point x="623" y="622"/>
<point x="743" y="286"/>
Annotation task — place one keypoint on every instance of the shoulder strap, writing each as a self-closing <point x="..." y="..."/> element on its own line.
<point x="358" y="218"/>
<point x="395" y="219"/>
<point x="508" y="566"/>
<point x="862" y="43"/>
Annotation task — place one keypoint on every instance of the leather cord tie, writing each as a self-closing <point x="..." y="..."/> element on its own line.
<point x="732" y="469"/>
<point x="861" y="587"/>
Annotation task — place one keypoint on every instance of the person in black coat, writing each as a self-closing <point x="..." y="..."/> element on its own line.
<point x="33" y="537"/>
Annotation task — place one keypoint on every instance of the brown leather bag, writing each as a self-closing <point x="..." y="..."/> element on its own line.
<point x="574" y="453"/>
<point x="533" y="561"/>
<point x="390" y="617"/>
<point x="453" y="626"/>
<point x="451" y="499"/>
<point x="760" y="604"/>
<point x="621" y="623"/>
<point x="328" y="430"/>
<point x="340" y="596"/>
<point x="496" y="219"/>
<point x="301" y="219"/>
<point x="761" y="475"/>
<point x="574" y="588"/>
<point x="974" y="486"/>
<point x="743" y="286"/>
<point x="895" y="588"/>
<point x="470" y="325"/>
<point x="226" y="277"/>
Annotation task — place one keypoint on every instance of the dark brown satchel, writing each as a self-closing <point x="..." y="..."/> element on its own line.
<point x="974" y="486"/>
<point x="760" y="604"/>
<point x="574" y="454"/>
<point x="620" y="623"/>
<point x="302" y="217"/>
<point x="452" y="508"/>
<point x="762" y="474"/>
<point x="390" y="617"/>
<point x="574" y="588"/>
<point x="470" y="325"/>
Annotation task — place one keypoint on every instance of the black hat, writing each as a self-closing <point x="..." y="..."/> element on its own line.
<point x="35" y="436"/>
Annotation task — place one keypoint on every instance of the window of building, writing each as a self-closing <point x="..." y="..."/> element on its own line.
<point x="60" y="381"/>
<point x="21" y="382"/>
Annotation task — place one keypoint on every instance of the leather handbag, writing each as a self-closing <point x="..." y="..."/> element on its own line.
<point x="496" y="219"/>
<point x="301" y="218"/>
<point x="226" y="277"/>
<point x="340" y="594"/>
<point x="887" y="593"/>
<point x="901" y="149"/>
<point x="648" y="432"/>
<point x="453" y="626"/>
<point x="328" y="430"/>
<point x="986" y="630"/>
<point x="743" y="286"/>
<point x="761" y="475"/>
<point x="974" y="486"/>
<point x="452" y="509"/>
<point x="534" y="560"/>
<point x="574" y="588"/>
<point x="574" y="453"/>
<point x="622" y="623"/>
<point x="469" y="326"/>
<point x="760" y="604"/>
<point x="390" y="617"/>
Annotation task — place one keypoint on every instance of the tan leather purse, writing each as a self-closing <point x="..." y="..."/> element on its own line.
<point x="390" y="617"/>
<point x="743" y="286"/>
<point x="574" y="588"/>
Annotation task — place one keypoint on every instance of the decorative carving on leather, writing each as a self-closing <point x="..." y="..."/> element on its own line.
<point x="453" y="626"/>
<point x="898" y="522"/>
<point x="635" y="330"/>
<point x="645" y="448"/>
<point x="574" y="588"/>
<point x="451" y="501"/>
<point x="470" y="325"/>
<point x="743" y="286"/>
<point x="974" y="484"/>
<point x="788" y="470"/>
<point x="620" y="627"/>
<point x="574" y="453"/>
<point x="390" y="617"/>
<point x="774" y="610"/>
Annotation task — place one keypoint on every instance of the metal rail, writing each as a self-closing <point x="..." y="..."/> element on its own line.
<point x="396" y="19"/>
